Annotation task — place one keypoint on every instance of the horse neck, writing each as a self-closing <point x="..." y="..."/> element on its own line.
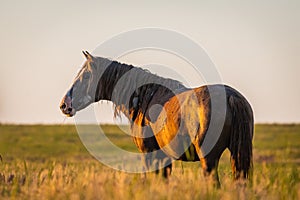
<point x="129" y="87"/>
<point x="109" y="82"/>
<point x="108" y="75"/>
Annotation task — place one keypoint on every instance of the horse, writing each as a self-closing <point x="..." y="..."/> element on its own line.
<point x="182" y="115"/>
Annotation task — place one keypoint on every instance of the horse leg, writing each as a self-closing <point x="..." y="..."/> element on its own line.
<point x="165" y="162"/>
<point x="167" y="169"/>
<point x="154" y="160"/>
<point x="150" y="164"/>
<point x="210" y="161"/>
<point x="210" y="168"/>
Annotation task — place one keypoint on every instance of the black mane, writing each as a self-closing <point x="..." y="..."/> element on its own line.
<point x="134" y="90"/>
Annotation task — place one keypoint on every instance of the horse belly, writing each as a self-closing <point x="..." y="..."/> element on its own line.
<point x="145" y="140"/>
<point x="178" y="147"/>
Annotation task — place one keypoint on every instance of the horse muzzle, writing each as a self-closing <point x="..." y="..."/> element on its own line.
<point x="66" y="107"/>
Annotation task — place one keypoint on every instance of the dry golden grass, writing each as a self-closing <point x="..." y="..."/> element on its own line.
<point x="91" y="180"/>
<point x="28" y="171"/>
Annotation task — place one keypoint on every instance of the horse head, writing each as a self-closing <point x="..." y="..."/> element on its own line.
<point x="83" y="90"/>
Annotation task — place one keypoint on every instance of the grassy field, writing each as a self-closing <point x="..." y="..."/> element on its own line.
<point x="50" y="162"/>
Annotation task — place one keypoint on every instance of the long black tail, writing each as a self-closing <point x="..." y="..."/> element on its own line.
<point x="240" y="144"/>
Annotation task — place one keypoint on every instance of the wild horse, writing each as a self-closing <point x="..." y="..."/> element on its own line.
<point x="182" y="116"/>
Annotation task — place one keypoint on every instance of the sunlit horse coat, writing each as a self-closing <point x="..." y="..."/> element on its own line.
<point x="163" y="110"/>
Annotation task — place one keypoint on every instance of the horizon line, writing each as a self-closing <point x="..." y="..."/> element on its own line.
<point x="121" y="124"/>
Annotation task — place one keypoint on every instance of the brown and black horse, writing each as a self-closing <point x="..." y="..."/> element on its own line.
<point x="167" y="116"/>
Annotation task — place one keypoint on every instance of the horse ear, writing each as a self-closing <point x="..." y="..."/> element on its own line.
<point x="87" y="55"/>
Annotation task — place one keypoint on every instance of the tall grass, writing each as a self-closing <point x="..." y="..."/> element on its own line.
<point x="31" y="169"/>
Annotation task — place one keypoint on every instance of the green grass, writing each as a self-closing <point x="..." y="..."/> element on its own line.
<point x="50" y="162"/>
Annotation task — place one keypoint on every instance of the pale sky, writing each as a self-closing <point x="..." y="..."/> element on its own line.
<point x="255" y="47"/>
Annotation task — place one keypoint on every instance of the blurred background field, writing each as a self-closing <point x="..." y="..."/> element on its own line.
<point x="50" y="162"/>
